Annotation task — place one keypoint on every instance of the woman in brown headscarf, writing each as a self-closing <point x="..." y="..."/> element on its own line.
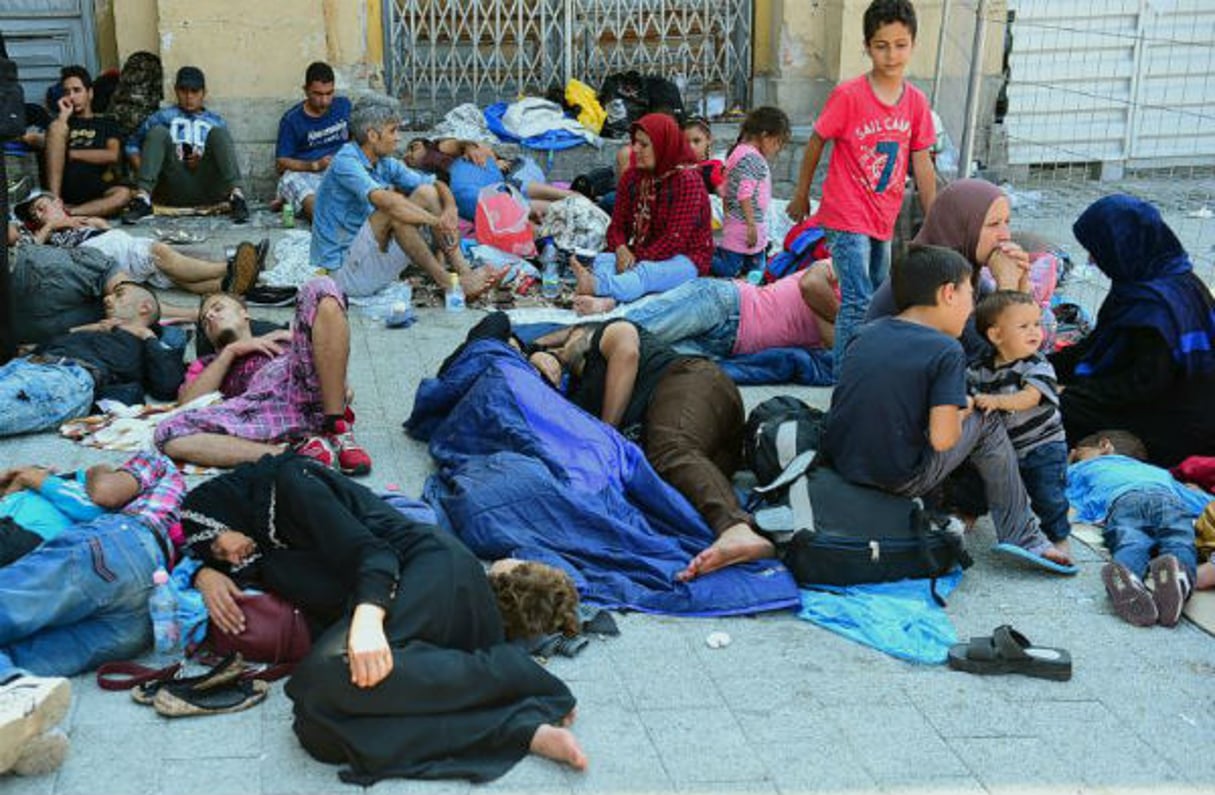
<point x="971" y="217"/>
<point x="661" y="232"/>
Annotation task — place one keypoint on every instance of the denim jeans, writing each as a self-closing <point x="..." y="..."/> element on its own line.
<point x="985" y="444"/>
<point x="1044" y="471"/>
<point x="731" y="264"/>
<point x="34" y="397"/>
<point x="643" y="278"/>
<point x="1140" y="522"/>
<point x="697" y="317"/>
<point x="861" y="263"/>
<point x="80" y="599"/>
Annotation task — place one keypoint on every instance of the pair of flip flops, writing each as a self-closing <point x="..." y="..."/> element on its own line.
<point x="1007" y="651"/>
<point x="228" y="686"/>
<point x="1023" y="555"/>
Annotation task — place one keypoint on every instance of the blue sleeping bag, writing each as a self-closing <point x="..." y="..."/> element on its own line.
<point x="524" y="473"/>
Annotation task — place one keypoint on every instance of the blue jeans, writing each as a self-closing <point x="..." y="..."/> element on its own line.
<point x="1044" y="470"/>
<point x="730" y="264"/>
<point x="643" y="278"/>
<point x="697" y="317"/>
<point x="1152" y="519"/>
<point x="34" y="397"/>
<point x="861" y="263"/>
<point x="80" y="599"/>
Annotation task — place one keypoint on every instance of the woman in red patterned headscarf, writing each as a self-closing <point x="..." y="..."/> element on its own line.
<point x="661" y="232"/>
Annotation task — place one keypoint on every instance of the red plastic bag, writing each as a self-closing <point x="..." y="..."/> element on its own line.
<point x="502" y="222"/>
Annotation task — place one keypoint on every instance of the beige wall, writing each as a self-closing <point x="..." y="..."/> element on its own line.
<point x="135" y="27"/>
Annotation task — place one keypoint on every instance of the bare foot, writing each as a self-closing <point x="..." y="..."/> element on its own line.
<point x="1206" y="577"/>
<point x="586" y="279"/>
<point x="569" y="719"/>
<point x="736" y="544"/>
<point x="1064" y="546"/>
<point x="559" y="745"/>
<point x="477" y="282"/>
<point x="1053" y="553"/>
<point x="593" y="305"/>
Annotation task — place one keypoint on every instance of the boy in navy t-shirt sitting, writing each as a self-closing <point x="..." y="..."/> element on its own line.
<point x="309" y="135"/>
<point x="900" y="417"/>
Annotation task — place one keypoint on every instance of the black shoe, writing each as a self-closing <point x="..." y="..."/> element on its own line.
<point x="138" y="208"/>
<point x="262" y="295"/>
<point x="238" y="209"/>
<point x="263" y="248"/>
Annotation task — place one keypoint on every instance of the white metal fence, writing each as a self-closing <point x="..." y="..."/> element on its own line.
<point x="441" y="53"/>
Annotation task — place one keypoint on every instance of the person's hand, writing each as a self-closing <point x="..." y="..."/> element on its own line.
<point x="449" y="227"/>
<point x="479" y="154"/>
<point x="23" y="478"/>
<point x="799" y="207"/>
<point x="367" y="647"/>
<point x="624" y="259"/>
<point x="985" y="403"/>
<point x="320" y="164"/>
<point x="1009" y="266"/>
<point x="270" y="344"/>
<point x="752" y="234"/>
<point x="65" y="108"/>
<point x="222" y="597"/>
<point x="192" y="159"/>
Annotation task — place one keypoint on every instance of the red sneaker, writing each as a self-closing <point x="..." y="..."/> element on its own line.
<point x="352" y="459"/>
<point x="319" y="449"/>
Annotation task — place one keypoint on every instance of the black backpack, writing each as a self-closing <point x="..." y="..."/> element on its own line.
<point x="830" y="531"/>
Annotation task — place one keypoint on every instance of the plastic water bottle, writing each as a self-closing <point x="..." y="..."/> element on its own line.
<point x="550" y="283"/>
<point x="455" y="295"/>
<point x="288" y="215"/>
<point x="162" y="604"/>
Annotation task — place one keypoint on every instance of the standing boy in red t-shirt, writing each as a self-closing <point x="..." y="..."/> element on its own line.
<point x="878" y="122"/>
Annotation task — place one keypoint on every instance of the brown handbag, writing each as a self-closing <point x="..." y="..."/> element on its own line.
<point x="275" y="632"/>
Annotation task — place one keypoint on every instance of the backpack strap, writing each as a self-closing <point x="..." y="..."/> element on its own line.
<point x="128" y="674"/>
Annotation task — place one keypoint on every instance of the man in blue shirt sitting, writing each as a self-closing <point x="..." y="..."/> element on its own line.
<point x="309" y="134"/>
<point x="374" y="215"/>
<point x="184" y="155"/>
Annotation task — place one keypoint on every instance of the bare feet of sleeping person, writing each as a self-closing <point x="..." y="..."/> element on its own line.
<point x="593" y="305"/>
<point x="559" y="745"/>
<point x="737" y="544"/>
<point x="586" y="279"/>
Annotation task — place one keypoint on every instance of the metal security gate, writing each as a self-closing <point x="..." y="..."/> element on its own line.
<point x="440" y="53"/>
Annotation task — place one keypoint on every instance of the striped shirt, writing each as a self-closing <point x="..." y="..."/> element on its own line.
<point x="1035" y="426"/>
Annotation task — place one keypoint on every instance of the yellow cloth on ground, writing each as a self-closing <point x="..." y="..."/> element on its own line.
<point x="593" y="115"/>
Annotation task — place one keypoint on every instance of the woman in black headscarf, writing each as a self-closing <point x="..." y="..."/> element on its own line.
<point x="412" y="675"/>
<point x="1149" y="365"/>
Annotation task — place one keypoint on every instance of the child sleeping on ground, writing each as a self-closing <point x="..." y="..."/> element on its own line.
<point x="38" y="504"/>
<point x="1148" y="526"/>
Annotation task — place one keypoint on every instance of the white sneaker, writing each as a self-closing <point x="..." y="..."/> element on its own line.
<point x="29" y="706"/>
<point x="43" y="754"/>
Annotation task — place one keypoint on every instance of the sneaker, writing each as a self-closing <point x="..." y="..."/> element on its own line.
<point x="1170" y="587"/>
<point x="352" y="459"/>
<point x="29" y="706"/>
<point x="42" y="754"/>
<point x="140" y="207"/>
<point x="238" y="209"/>
<point x="319" y="449"/>
<point x="1132" y="601"/>
<point x="243" y="270"/>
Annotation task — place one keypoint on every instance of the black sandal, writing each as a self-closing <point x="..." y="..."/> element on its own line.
<point x="1007" y="651"/>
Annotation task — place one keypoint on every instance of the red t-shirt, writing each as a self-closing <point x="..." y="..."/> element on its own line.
<point x="873" y="143"/>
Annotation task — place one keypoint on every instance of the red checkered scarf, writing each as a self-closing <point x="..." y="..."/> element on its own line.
<point x="671" y="154"/>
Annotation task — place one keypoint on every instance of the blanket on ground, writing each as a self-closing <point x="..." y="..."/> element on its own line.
<point x="523" y="473"/>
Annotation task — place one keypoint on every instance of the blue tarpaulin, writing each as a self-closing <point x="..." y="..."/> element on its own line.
<point x="524" y="473"/>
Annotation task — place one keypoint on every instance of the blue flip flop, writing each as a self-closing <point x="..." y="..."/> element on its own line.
<point x="1022" y="554"/>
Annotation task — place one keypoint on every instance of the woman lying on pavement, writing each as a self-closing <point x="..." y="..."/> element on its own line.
<point x="411" y="674"/>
